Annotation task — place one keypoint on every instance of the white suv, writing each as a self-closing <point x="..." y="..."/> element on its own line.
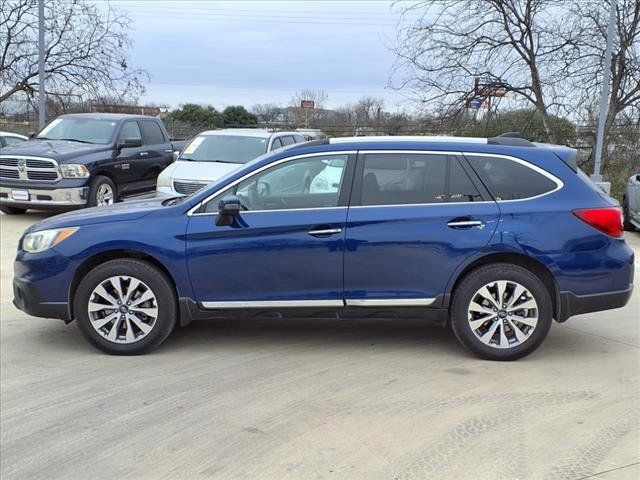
<point x="214" y="153"/>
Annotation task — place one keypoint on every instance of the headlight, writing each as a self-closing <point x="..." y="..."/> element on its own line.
<point x="74" y="171"/>
<point x="35" y="242"/>
<point x="164" y="181"/>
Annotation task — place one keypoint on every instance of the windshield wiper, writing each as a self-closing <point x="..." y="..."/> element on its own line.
<point x="75" y="140"/>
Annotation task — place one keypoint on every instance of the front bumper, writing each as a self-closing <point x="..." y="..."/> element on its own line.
<point x="27" y="297"/>
<point x="50" y="198"/>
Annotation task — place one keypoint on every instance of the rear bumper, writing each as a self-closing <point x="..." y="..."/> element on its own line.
<point x="571" y="304"/>
<point x="26" y="297"/>
<point x="39" y="198"/>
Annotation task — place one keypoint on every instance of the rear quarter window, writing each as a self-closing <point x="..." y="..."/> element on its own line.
<point x="510" y="180"/>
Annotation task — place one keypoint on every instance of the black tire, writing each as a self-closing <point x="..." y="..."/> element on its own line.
<point x="94" y="188"/>
<point x="484" y="275"/>
<point x="628" y="226"/>
<point x="12" y="210"/>
<point x="158" y="283"/>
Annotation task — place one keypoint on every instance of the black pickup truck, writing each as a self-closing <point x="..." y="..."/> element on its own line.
<point x="84" y="159"/>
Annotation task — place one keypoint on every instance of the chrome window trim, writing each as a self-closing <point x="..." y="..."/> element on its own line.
<point x="559" y="183"/>
<point x="272" y="303"/>
<point x="192" y="210"/>
<point x="389" y="302"/>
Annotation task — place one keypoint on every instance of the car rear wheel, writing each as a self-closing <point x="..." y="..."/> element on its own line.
<point x="125" y="307"/>
<point x="501" y="312"/>
<point x="12" y="210"/>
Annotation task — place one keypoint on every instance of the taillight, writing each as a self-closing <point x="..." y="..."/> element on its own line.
<point x="607" y="220"/>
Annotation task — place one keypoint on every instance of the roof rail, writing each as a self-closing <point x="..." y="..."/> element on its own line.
<point x="512" y="139"/>
<point x="310" y="143"/>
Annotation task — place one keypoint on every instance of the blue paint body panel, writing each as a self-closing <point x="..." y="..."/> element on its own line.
<point x="382" y="252"/>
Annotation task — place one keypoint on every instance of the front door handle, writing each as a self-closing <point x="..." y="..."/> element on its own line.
<point x="324" y="232"/>
<point x="464" y="223"/>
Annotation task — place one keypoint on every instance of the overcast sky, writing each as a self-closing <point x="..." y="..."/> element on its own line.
<point x="262" y="51"/>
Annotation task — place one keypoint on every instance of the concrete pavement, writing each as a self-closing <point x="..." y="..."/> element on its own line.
<point x="311" y="399"/>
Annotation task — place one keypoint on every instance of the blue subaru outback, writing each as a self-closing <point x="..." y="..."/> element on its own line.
<point x="495" y="237"/>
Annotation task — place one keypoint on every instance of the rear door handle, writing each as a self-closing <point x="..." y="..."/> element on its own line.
<point x="464" y="223"/>
<point x="324" y="232"/>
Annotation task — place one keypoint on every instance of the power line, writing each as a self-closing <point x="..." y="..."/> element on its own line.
<point x="209" y="85"/>
<point x="160" y="5"/>
<point x="243" y="18"/>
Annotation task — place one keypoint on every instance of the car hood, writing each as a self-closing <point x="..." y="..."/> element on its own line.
<point x="59" y="150"/>
<point x="130" y="210"/>
<point x="205" y="172"/>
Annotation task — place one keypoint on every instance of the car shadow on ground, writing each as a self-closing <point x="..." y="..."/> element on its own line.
<point x="413" y="336"/>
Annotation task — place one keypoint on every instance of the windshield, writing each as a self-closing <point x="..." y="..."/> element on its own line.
<point x="84" y="130"/>
<point x="224" y="148"/>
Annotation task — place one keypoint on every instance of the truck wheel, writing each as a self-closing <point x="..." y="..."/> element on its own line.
<point x="12" y="210"/>
<point x="125" y="307"/>
<point x="501" y="312"/>
<point x="102" y="192"/>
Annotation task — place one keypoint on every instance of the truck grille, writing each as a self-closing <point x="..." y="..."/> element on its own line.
<point x="28" y="168"/>
<point x="187" y="188"/>
<point x="5" y="172"/>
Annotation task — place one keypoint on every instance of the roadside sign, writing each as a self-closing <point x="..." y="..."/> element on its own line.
<point x="310" y="104"/>
<point x="475" y="102"/>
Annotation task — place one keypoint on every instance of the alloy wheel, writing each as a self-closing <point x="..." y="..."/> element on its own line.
<point x="123" y="309"/>
<point x="104" y="195"/>
<point x="503" y="314"/>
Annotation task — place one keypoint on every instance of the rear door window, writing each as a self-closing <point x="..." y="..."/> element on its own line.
<point x="288" y="140"/>
<point x="401" y="179"/>
<point x="276" y="144"/>
<point x="130" y="130"/>
<point x="510" y="180"/>
<point x="151" y="132"/>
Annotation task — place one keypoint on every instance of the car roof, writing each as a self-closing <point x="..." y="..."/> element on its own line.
<point x="111" y="116"/>
<point x="247" y="132"/>
<point x="11" y="134"/>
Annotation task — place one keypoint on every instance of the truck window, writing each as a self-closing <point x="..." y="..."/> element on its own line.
<point x="151" y="132"/>
<point x="130" y="130"/>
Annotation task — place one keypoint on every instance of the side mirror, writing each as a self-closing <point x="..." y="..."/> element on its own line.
<point x="130" y="143"/>
<point x="638" y="177"/>
<point x="31" y="135"/>
<point x="228" y="208"/>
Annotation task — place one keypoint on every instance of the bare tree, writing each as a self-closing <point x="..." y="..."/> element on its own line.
<point x="85" y="49"/>
<point x="520" y="46"/>
<point x="266" y="112"/>
<point x="369" y="111"/>
<point x="624" y="100"/>
<point x="305" y="116"/>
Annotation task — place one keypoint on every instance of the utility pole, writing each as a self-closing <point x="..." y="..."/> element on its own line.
<point x="604" y="96"/>
<point x="42" y="117"/>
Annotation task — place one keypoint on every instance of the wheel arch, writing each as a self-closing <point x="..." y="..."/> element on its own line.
<point x="88" y="264"/>
<point x="530" y="263"/>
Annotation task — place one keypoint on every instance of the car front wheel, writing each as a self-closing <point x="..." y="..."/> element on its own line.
<point x="102" y="192"/>
<point x="125" y="307"/>
<point x="501" y="312"/>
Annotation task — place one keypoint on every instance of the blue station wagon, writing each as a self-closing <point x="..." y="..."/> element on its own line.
<point x="495" y="237"/>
